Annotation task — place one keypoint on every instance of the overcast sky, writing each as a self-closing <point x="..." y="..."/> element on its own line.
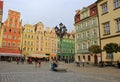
<point x="50" y="12"/>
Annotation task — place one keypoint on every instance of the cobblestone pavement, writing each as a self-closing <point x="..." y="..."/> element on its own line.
<point x="11" y="72"/>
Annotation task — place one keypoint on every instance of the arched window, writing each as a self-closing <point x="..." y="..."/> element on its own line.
<point x="9" y="30"/>
<point x="9" y="44"/>
<point x="89" y="58"/>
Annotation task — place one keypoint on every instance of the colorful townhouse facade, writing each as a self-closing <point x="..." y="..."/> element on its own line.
<point x="86" y="33"/>
<point x="28" y="40"/>
<point x="68" y="48"/>
<point x="44" y="41"/>
<point x="11" y="36"/>
<point x="53" y="48"/>
<point x="47" y="40"/>
<point x="39" y="46"/>
<point x="109" y="21"/>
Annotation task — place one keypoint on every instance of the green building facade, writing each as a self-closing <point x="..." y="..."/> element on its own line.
<point x="66" y="51"/>
<point x="86" y="33"/>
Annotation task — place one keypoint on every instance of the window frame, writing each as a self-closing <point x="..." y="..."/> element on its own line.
<point x="106" y="27"/>
<point x="104" y="8"/>
<point x="116" y="4"/>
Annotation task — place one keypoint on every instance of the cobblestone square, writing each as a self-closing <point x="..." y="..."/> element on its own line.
<point x="11" y="72"/>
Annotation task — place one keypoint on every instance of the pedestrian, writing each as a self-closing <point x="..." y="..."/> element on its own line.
<point x="83" y="61"/>
<point x="77" y="63"/>
<point x="18" y="59"/>
<point x="22" y="60"/>
<point x="39" y="62"/>
<point x="36" y="61"/>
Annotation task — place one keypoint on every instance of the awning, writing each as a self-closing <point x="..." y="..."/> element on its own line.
<point x="38" y="55"/>
<point x="10" y="54"/>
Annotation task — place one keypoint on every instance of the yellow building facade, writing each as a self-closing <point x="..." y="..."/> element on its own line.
<point x="28" y="40"/>
<point x="46" y="41"/>
<point x="109" y="21"/>
<point x="39" y="46"/>
<point x="53" y="46"/>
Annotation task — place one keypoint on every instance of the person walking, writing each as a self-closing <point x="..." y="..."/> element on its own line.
<point x="83" y="61"/>
<point x="39" y="62"/>
<point x="18" y="60"/>
<point x="36" y="61"/>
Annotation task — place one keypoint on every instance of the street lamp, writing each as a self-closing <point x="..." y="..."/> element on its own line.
<point x="61" y="31"/>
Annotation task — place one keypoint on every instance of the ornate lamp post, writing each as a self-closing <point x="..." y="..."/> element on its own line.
<point x="61" y="31"/>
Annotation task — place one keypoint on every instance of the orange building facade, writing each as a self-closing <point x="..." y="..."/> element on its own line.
<point x="11" y="36"/>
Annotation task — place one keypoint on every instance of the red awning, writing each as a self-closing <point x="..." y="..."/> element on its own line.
<point x="10" y="54"/>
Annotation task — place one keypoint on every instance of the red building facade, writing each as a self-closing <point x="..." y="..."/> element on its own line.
<point x="11" y="36"/>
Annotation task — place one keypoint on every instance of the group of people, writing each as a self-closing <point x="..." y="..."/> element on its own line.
<point x="37" y="62"/>
<point x="20" y="60"/>
<point x="78" y="63"/>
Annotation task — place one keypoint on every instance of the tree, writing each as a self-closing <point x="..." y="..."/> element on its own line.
<point x="95" y="49"/>
<point x="111" y="48"/>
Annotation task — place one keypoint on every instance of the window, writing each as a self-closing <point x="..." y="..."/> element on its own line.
<point x="84" y="45"/>
<point x="28" y="36"/>
<point x="116" y="3"/>
<point x="16" y="20"/>
<point x="18" y="37"/>
<point x="109" y="55"/>
<point x="14" y="37"/>
<point x="31" y="49"/>
<point x="104" y="8"/>
<point x="32" y="36"/>
<point x="94" y="32"/>
<point x="78" y="58"/>
<point x="25" y="42"/>
<point x="3" y="43"/>
<point x="83" y="35"/>
<point x="88" y="34"/>
<point x="31" y="43"/>
<point x="106" y="28"/>
<point x="9" y="37"/>
<point x="95" y="43"/>
<point x="9" y="44"/>
<point x="13" y="44"/>
<point x="4" y="36"/>
<point x="18" y="32"/>
<point x="89" y="58"/>
<point x="37" y="37"/>
<point x="9" y="30"/>
<point x="118" y="24"/>
<point x="88" y="44"/>
<point x="36" y="49"/>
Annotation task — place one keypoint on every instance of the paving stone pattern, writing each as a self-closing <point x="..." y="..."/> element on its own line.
<point x="11" y="72"/>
